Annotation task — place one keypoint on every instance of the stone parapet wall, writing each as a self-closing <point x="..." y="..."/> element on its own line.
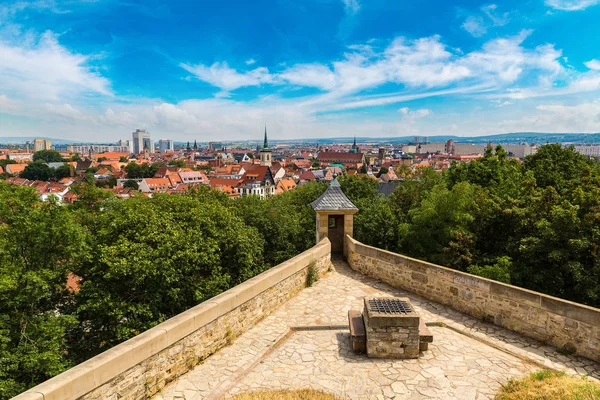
<point x="562" y="323"/>
<point x="143" y="365"/>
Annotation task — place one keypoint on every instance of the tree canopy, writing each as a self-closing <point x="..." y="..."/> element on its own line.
<point x="47" y="156"/>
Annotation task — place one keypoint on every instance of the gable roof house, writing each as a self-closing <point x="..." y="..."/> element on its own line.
<point x="258" y="180"/>
<point x="155" y="185"/>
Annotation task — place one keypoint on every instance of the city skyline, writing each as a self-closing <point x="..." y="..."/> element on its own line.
<point x="97" y="70"/>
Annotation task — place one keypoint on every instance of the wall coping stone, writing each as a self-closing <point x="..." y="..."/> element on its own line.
<point x="565" y="308"/>
<point x="93" y="373"/>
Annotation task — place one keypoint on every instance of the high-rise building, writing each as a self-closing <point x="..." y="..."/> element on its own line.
<point x="42" y="144"/>
<point x="165" y="145"/>
<point x="141" y="140"/>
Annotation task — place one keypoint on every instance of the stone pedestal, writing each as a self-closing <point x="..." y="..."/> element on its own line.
<point x="392" y="328"/>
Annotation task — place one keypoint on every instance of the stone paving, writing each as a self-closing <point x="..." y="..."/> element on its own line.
<point x="306" y="344"/>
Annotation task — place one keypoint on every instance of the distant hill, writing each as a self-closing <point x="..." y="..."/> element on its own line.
<point x="22" y="140"/>
<point x="515" y="137"/>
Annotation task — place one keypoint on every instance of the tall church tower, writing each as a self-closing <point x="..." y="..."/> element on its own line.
<point x="265" y="152"/>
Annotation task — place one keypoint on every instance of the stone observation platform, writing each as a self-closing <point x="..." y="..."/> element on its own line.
<point x="273" y="332"/>
<point x="306" y="344"/>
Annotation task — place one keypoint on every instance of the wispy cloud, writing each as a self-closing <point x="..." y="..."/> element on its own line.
<point x="571" y="5"/>
<point x="351" y="7"/>
<point x="475" y="26"/>
<point x="488" y="16"/>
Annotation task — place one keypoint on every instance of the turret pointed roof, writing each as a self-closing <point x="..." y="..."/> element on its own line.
<point x="333" y="199"/>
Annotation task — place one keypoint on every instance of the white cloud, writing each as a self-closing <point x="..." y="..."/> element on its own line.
<point x="583" y="117"/>
<point x="505" y="59"/>
<point x="43" y="69"/>
<point x="226" y="78"/>
<point x="351" y="7"/>
<point x="414" y="115"/>
<point x="571" y="5"/>
<point x="593" y="64"/>
<point x="250" y="61"/>
<point x="65" y="110"/>
<point x="475" y="26"/>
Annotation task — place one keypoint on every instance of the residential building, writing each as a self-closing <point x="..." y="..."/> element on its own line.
<point x="257" y="181"/>
<point x="165" y="145"/>
<point x="42" y="144"/>
<point x="589" y="150"/>
<point x="141" y="140"/>
<point x="98" y="148"/>
<point x="14" y="169"/>
<point x="155" y="185"/>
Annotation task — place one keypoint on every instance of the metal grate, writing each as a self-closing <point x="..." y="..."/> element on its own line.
<point x="390" y="306"/>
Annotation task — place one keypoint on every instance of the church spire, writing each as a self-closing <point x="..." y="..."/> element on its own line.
<point x="354" y="145"/>
<point x="266" y="144"/>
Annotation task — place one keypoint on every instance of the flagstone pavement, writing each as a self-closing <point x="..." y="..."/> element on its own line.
<point x="305" y="343"/>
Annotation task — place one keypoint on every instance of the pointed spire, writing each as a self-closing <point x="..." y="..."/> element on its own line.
<point x="266" y="144"/>
<point x="354" y="145"/>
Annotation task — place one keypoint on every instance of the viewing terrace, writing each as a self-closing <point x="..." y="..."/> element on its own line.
<point x="306" y="344"/>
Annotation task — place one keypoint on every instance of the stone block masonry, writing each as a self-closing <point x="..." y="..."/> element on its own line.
<point x="143" y="365"/>
<point x="564" y="324"/>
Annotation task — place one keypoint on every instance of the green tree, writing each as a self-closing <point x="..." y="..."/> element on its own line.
<point x="47" y="156"/>
<point x="5" y="162"/>
<point x="559" y="167"/>
<point x="177" y="163"/>
<point x="359" y="187"/>
<point x="382" y="170"/>
<point x="439" y="228"/>
<point x="123" y="159"/>
<point x="75" y="157"/>
<point x="151" y="259"/>
<point x="39" y="244"/>
<point x="131" y="184"/>
<point x="63" y="171"/>
<point x="38" y="170"/>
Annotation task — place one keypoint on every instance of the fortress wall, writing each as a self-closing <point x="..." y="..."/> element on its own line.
<point x="562" y="323"/>
<point x="143" y="365"/>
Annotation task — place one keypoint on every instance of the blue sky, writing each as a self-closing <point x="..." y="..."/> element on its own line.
<point x="208" y="70"/>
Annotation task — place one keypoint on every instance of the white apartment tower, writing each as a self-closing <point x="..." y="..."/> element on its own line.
<point x="42" y="144"/>
<point x="141" y="140"/>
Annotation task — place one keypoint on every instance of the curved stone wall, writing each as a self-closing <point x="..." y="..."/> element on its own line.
<point x="564" y="324"/>
<point x="143" y="365"/>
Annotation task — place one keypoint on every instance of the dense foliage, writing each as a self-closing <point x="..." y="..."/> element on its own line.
<point x="534" y="224"/>
<point x="40" y="171"/>
<point x="140" y="261"/>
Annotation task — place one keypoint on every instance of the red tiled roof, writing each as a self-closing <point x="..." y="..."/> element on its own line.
<point x="331" y="156"/>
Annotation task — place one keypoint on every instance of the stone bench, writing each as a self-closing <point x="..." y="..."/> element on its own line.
<point x="425" y="336"/>
<point x="358" y="337"/>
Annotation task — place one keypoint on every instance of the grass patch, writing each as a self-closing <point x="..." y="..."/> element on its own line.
<point x="312" y="275"/>
<point x="304" y="394"/>
<point x="549" y="385"/>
